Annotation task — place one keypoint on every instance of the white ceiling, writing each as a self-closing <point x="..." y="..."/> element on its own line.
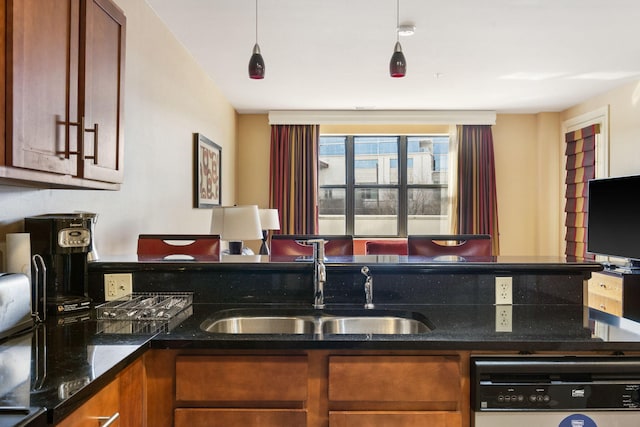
<point x="518" y="56"/>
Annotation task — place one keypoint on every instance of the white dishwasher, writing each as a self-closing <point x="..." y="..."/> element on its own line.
<point x="549" y="391"/>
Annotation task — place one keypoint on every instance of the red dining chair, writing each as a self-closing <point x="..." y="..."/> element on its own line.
<point x="204" y="247"/>
<point x="458" y="244"/>
<point x="385" y="247"/>
<point x="287" y="244"/>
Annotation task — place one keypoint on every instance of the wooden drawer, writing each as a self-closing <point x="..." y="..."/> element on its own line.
<point x="241" y="378"/>
<point x="240" y="417"/>
<point x="404" y="382"/>
<point x="394" y="419"/>
<point x="606" y="285"/>
<point x="603" y="303"/>
<point x="104" y="404"/>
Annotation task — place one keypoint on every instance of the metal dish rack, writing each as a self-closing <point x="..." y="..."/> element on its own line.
<point x="144" y="312"/>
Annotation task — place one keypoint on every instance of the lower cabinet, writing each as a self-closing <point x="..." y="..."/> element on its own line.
<point x="118" y="404"/>
<point x="315" y="388"/>
<point x="241" y="391"/>
<point x="394" y="391"/>
<point x="104" y="405"/>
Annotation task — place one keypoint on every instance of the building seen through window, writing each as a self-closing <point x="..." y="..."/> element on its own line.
<point x="384" y="185"/>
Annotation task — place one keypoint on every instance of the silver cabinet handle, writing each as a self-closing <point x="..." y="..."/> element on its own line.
<point x="107" y="421"/>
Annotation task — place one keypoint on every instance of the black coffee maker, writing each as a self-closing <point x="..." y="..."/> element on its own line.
<point x="63" y="241"/>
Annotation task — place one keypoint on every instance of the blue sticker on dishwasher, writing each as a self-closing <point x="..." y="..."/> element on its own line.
<point x="577" y="420"/>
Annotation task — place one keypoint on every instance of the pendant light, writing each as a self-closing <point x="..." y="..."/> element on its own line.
<point x="256" y="63"/>
<point x="397" y="65"/>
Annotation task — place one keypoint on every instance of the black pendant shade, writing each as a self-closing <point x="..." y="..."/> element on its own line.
<point x="256" y="64"/>
<point x="397" y="65"/>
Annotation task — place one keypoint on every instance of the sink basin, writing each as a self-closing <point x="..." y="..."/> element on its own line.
<point x="259" y="325"/>
<point x="318" y="322"/>
<point x="390" y="325"/>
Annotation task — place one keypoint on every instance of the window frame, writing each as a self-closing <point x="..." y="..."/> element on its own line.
<point x="402" y="185"/>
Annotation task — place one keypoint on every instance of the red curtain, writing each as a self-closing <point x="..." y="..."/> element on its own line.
<point x="580" y="167"/>
<point x="477" y="206"/>
<point x="294" y="177"/>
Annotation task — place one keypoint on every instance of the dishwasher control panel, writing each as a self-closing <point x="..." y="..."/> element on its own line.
<point x="568" y="383"/>
<point x="566" y="396"/>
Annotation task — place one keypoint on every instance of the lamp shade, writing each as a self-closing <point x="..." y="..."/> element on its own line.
<point x="256" y="64"/>
<point x="236" y="223"/>
<point x="269" y="219"/>
<point x="398" y="64"/>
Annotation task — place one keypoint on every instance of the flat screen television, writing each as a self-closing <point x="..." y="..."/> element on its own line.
<point x="614" y="219"/>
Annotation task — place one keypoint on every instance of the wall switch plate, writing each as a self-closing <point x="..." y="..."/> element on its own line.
<point x="117" y="285"/>
<point x="504" y="290"/>
<point x="504" y="320"/>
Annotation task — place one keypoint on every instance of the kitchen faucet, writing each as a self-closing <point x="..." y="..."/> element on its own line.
<point x="319" y="272"/>
<point x="368" y="288"/>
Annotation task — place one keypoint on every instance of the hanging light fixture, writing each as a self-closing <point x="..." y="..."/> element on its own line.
<point x="256" y="63"/>
<point x="397" y="65"/>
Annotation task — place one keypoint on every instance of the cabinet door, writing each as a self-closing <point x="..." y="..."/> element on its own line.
<point x="398" y="382"/>
<point x="240" y="417"/>
<point x="241" y="378"/>
<point x="102" y="406"/>
<point x="394" y="419"/>
<point x="42" y="73"/>
<point x="102" y="88"/>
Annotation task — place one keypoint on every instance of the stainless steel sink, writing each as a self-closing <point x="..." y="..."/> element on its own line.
<point x="318" y="322"/>
<point x="259" y="325"/>
<point x="389" y="325"/>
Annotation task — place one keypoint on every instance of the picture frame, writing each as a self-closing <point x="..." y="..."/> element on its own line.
<point x="207" y="172"/>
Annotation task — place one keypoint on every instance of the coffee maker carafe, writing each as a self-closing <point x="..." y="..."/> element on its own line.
<point x="63" y="241"/>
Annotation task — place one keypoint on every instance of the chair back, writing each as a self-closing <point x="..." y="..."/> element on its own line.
<point x="286" y="244"/>
<point x="478" y="245"/>
<point x="384" y="247"/>
<point x="196" y="246"/>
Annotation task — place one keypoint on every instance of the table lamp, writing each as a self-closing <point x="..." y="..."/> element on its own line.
<point x="236" y="224"/>
<point x="269" y="220"/>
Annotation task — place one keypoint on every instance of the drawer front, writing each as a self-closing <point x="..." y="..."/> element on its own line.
<point x="240" y="417"/>
<point x="398" y="379"/>
<point x="606" y="285"/>
<point x="241" y="378"/>
<point x="394" y="419"/>
<point x="603" y="303"/>
<point x="104" y="404"/>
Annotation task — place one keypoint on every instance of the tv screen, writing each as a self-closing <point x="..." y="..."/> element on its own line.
<point x="614" y="217"/>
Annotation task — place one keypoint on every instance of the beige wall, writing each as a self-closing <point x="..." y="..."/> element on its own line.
<point x="624" y="126"/>
<point x="167" y="98"/>
<point x="526" y="174"/>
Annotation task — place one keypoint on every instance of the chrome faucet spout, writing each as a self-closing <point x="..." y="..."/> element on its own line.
<point x="319" y="272"/>
<point x="368" y="288"/>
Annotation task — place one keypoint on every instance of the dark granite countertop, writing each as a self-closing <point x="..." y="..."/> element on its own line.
<point x="59" y="365"/>
<point x="568" y="328"/>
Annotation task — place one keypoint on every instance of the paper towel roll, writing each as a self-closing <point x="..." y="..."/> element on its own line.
<point x="19" y="253"/>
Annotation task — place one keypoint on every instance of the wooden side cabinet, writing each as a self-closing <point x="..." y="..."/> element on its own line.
<point x="63" y="98"/>
<point x="118" y="404"/>
<point x="615" y="293"/>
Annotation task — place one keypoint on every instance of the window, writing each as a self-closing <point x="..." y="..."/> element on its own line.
<point x="383" y="185"/>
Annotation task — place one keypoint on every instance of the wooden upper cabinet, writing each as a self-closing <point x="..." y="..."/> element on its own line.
<point x="64" y="90"/>
<point x="103" y="46"/>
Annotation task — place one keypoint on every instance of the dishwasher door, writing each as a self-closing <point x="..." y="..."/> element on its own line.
<point x="555" y="391"/>
<point x="557" y="419"/>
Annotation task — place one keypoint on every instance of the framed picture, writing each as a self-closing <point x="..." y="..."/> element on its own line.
<point x="207" y="172"/>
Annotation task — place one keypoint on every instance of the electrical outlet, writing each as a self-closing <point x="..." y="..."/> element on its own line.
<point x="504" y="294"/>
<point x="117" y="285"/>
<point x="504" y="318"/>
